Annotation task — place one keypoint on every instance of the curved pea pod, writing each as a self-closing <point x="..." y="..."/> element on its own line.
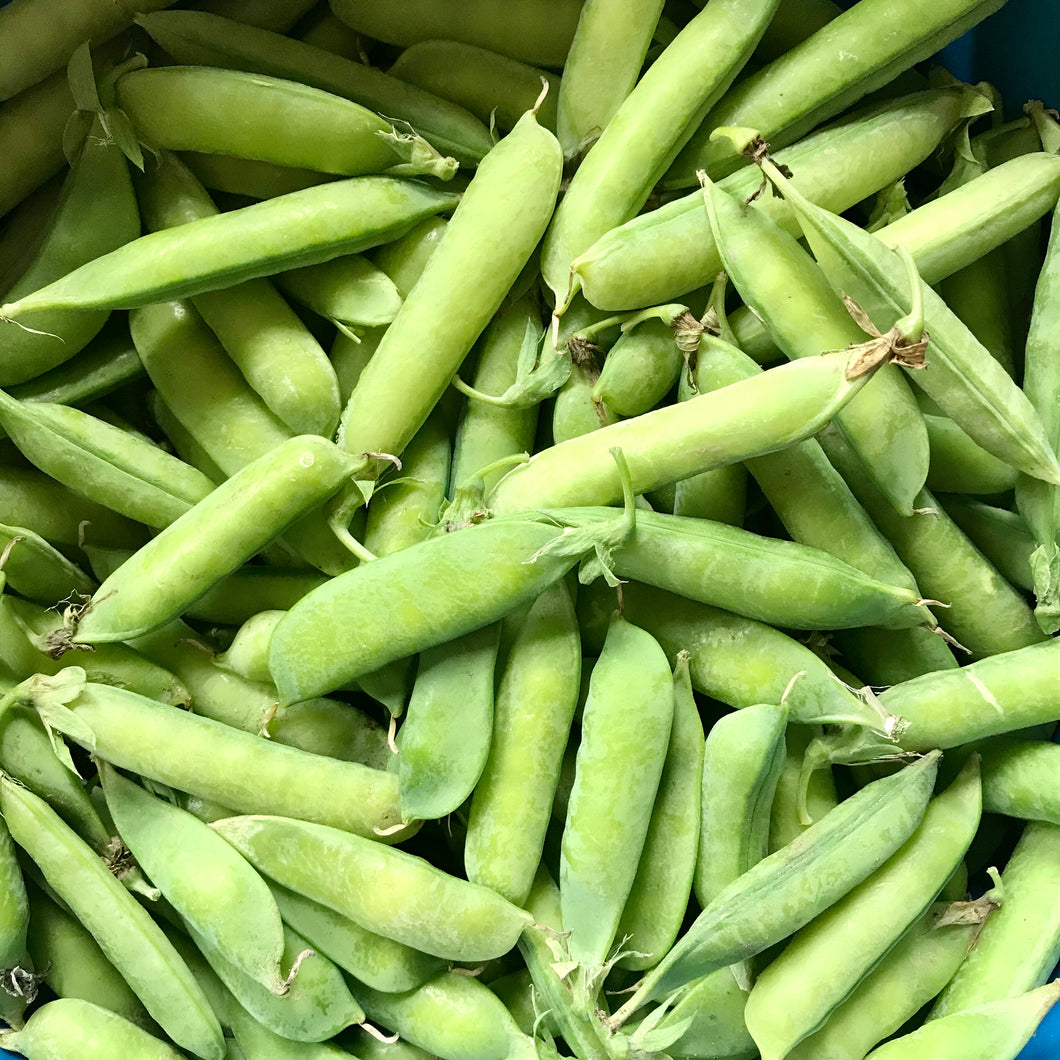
<point x="36" y="569"/>
<point x="787" y="1002"/>
<point x="648" y="129"/>
<point x="661" y="253"/>
<point x="807" y="85"/>
<point x="966" y="381"/>
<point x="95" y="215"/>
<point x="959" y="465"/>
<point x="208" y="39"/>
<point x="445" y="737"/>
<point x="316" y="1005"/>
<point x="795" y="805"/>
<point x="350" y="290"/>
<point x="781" y="583"/>
<point x="485" y="246"/>
<point x="1001" y="535"/>
<point x="340" y="631"/>
<point x="998" y="694"/>
<point x="205" y="880"/>
<point x="247" y="654"/>
<point x="536" y="697"/>
<point x="1019" y="945"/>
<point x="538" y="32"/>
<point x="1020" y="778"/>
<point x="127" y="474"/>
<point x="69" y="1027"/>
<point x="124" y="930"/>
<point x="784" y="287"/>
<point x="193" y="108"/>
<point x="190" y="754"/>
<point x="26" y="628"/>
<point x="639" y="370"/>
<point x="388" y="891"/>
<point x="742" y="759"/>
<point x="754" y="416"/>
<point x="16" y="969"/>
<point x="375" y="960"/>
<point x="452" y="1016"/>
<point x="493" y="87"/>
<point x="257" y="240"/>
<point x="658" y="899"/>
<point x="787" y="889"/>
<point x="626" y="725"/>
<point x="214" y="538"/>
<point x="996" y="1031"/>
<point x="275" y="351"/>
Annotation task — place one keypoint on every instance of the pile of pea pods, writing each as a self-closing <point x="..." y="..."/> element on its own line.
<point x="527" y="530"/>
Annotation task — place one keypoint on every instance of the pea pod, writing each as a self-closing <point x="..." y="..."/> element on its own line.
<point x="193" y="108"/>
<point x="210" y="39"/>
<point x="70" y="1027"/>
<point x="123" y="929"/>
<point x="215" y="537"/>
<point x="1019" y="778"/>
<point x="38" y="570"/>
<point x="213" y="252"/>
<point x="346" y="872"/>
<point x="627" y="718"/>
<point x="782" y="892"/>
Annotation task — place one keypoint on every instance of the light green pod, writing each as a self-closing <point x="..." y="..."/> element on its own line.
<point x="742" y="760"/>
<point x="256" y="1042"/>
<point x="1020" y="778"/>
<point x="787" y="1002"/>
<point x="379" y="962"/>
<point x="787" y="820"/>
<point x="536" y="697"/>
<point x="122" y="927"/>
<point x="995" y="1031"/>
<point x="445" y="737"/>
<point x="71" y="1027"/>
<point x="658" y="900"/>
<point x="1002" y="536"/>
<point x="386" y="890"/>
<point x="640" y="369"/>
<point x="404" y="259"/>
<point x="453" y="1017"/>
<point x="959" y="465"/>
<point x="715" y="1006"/>
<point x="16" y="967"/>
<point x="349" y="289"/>
<point x="36" y="569"/>
<point x="205" y="880"/>
<point x="248" y="653"/>
<point x="626" y="725"/>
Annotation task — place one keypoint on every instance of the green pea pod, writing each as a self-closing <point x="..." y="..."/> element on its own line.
<point x="652" y="124"/>
<point x="485" y="246"/>
<point x="742" y="760"/>
<point x="662" y="253"/>
<point x="74" y="1027"/>
<point x="212" y="40"/>
<point x="806" y="86"/>
<point x="538" y="32"/>
<point x="379" y="962"/>
<point x="780" y="583"/>
<point x="639" y="370"/>
<point x="714" y="1005"/>
<point x="194" y="108"/>
<point x="445" y="737"/>
<point x="256" y="240"/>
<point x="128" y="474"/>
<point x="210" y="885"/>
<point x="215" y="537"/>
<point x="958" y="465"/>
<point x="349" y="290"/>
<point x="913" y="972"/>
<point x="124" y="930"/>
<point x="249" y="177"/>
<point x="797" y="805"/>
<point x="784" y="287"/>
<point x="1001" y="535"/>
<point x="602" y="67"/>
<point x="997" y="1031"/>
<point x="26" y="628"/>
<point x="190" y="753"/>
<point x="254" y="1041"/>
<point x="787" y="889"/>
<point x="247" y="654"/>
<point x="998" y="694"/>
<point x="968" y="384"/>
<point x="787" y="1002"/>
<point x="1018" y="946"/>
<point x="347" y="872"/>
<point x="18" y="987"/>
<point x="96" y="214"/>
<point x="316" y="1004"/>
<point x="536" y="698"/>
<point x="1019" y="778"/>
<point x="37" y="570"/>
<point x="658" y="900"/>
<point x="626" y="719"/>
<point x="275" y="351"/>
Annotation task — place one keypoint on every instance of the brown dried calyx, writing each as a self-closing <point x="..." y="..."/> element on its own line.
<point x="894" y="346"/>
